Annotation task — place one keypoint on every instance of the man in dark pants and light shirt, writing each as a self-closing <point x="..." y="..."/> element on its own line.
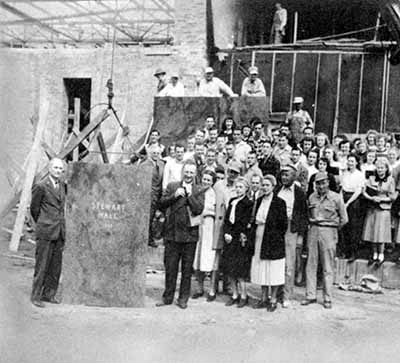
<point x="183" y="202"/>
<point x="47" y="209"/>
<point x="327" y="214"/>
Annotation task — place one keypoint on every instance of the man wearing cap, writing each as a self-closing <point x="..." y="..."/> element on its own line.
<point x="253" y="86"/>
<point x="224" y="192"/>
<point x="161" y="75"/>
<point x="174" y="88"/>
<point x="327" y="214"/>
<point x="211" y="86"/>
<point x="296" y="209"/>
<point x="299" y="115"/>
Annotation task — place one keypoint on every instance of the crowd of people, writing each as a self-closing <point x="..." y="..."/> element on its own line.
<point x="248" y="204"/>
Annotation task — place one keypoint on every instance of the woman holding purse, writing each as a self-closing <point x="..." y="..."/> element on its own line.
<point x="236" y="257"/>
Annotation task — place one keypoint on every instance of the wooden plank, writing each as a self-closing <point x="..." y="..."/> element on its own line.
<point x="77" y="124"/>
<point x="30" y="175"/>
<point x="102" y="147"/>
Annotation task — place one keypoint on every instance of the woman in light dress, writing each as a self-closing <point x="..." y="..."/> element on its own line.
<point x="205" y="254"/>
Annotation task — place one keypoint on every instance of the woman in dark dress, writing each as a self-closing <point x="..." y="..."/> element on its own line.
<point x="236" y="255"/>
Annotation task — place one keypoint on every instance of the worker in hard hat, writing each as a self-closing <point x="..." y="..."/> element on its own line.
<point x="211" y="86"/>
<point x="174" y="88"/>
<point x="299" y="114"/>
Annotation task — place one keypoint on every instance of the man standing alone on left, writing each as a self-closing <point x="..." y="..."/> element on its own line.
<point x="184" y="202"/>
<point x="47" y="209"/>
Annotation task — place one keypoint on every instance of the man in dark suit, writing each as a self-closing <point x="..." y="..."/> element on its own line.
<point x="47" y="209"/>
<point x="153" y="159"/>
<point x="297" y="213"/>
<point x="183" y="201"/>
<point x="268" y="164"/>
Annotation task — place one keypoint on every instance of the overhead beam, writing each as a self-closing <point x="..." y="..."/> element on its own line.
<point x="34" y="21"/>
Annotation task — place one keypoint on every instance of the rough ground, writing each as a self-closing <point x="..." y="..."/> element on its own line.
<point x="360" y="328"/>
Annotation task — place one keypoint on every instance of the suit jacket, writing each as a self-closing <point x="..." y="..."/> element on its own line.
<point x="47" y="209"/>
<point x="242" y="219"/>
<point x="270" y="165"/>
<point x="177" y="223"/>
<point x="299" y="222"/>
<point x="156" y="178"/>
<point x="273" y="243"/>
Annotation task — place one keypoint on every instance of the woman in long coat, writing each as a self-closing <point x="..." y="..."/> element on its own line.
<point x="268" y="237"/>
<point x="205" y="254"/>
<point x="236" y="258"/>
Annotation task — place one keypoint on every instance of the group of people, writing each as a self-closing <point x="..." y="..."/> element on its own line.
<point x="246" y="204"/>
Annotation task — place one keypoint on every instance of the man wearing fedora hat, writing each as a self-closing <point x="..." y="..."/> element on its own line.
<point x="161" y="75"/>
<point x="253" y="86"/>
<point x="327" y="214"/>
<point x="211" y="86"/>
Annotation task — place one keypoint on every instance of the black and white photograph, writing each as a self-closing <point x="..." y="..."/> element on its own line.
<point x="199" y="181"/>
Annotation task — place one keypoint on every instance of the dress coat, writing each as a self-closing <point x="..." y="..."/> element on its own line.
<point x="178" y="222"/>
<point x="236" y="259"/>
<point x="273" y="244"/>
<point x="47" y="209"/>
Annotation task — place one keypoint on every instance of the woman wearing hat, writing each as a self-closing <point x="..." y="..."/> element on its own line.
<point x="236" y="256"/>
<point x="268" y="234"/>
<point x="380" y="192"/>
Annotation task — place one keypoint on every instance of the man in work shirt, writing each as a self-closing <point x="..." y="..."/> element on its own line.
<point x="327" y="214"/>
<point x="253" y="86"/>
<point x="211" y="86"/>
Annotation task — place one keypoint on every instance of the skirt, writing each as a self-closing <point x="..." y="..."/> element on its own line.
<point x="377" y="226"/>
<point x="266" y="272"/>
<point x="205" y="255"/>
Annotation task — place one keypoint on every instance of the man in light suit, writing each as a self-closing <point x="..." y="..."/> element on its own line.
<point x="183" y="202"/>
<point x="47" y="209"/>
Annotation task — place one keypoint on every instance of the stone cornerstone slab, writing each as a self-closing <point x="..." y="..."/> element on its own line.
<point x="107" y="222"/>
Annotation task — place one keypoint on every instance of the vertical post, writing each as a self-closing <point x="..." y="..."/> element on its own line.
<point x="360" y="94"/>
<point x="386" y="92"/>
<point x="29" y="176"/>
<point x="272" y="80"/>
<point x="77" y="124"/>
<point x="383" y="92"/>
<point x="377" y="26"/>
<point x="316" y="89"/>
<point x="231" y="70"/>
<point x="296" y="24"/>
<point x="336" y="120"/>
<point x="292" y="80"/>
<point x="253" y="58"/>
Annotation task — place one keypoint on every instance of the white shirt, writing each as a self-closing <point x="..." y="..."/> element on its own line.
<point x="188" y="188"/>
<point x="55" y="183"/>
<point x="172" y="172"/>
<point x="283" y="155"/>
<point x="172" y="91"/>
<point x="311" y="171"/>
<point x="214" y="88"/>
<point x="287" y="194"/>
<point x="262" y="213"/>
<point x="280" y="19"/>
<point x="188" y="155"/>
<point x="352" y="181"/>
<point x="253" y="89"/>
<point x="233" y="210"/>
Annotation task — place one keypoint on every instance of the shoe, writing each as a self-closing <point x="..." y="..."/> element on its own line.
<point x="243" y="302"/>
<point x="306" y="302"/>
<point x="163" y="303"/>
<point x="232" y="301"/>
<point x="327" y="305"/>
<point x="182" y="304"/>
<point x="286" y="304"/>
<point x="211" y="297"/>
<point x="38" y="303"/>
<point x="379" y="263"/>
<point x="260" y="304"/>
<point x="51" y="300"/>
<point x="272" y="307"/>
<point x="197" y="295"/>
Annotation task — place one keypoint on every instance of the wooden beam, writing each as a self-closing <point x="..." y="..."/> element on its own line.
<point x="77" y="124"/>
<point x="102" y="147"/>
<point x="30" y="175"/>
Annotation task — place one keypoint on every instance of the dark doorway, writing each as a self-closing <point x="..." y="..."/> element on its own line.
<point x="78" y="88"/>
